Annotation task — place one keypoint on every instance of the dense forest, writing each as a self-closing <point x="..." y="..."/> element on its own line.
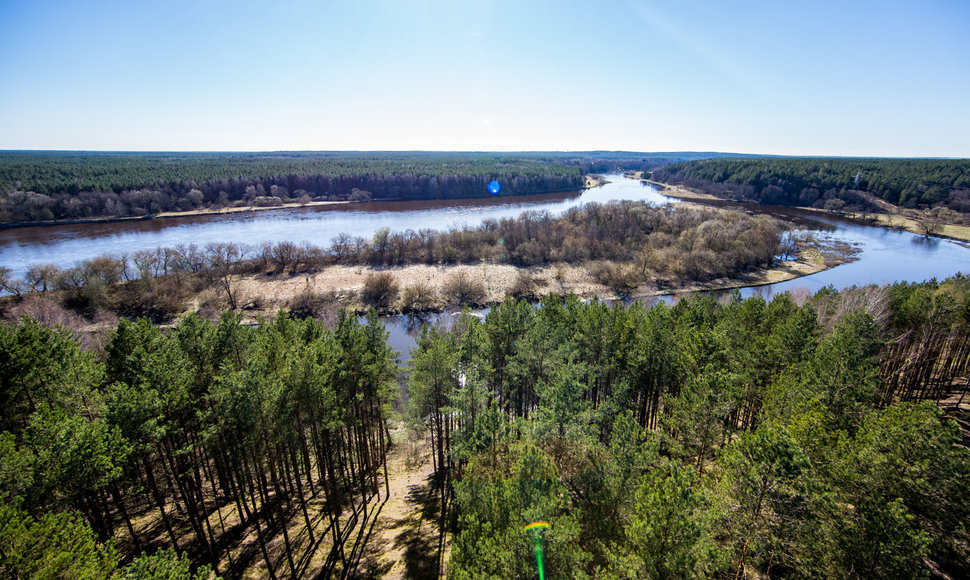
<point x="44" y="186"/>
<point x="740" y="438"/>
<point x="627" y="244"/>
<point x="828" y="182"/>
<point x="195" y="439"/>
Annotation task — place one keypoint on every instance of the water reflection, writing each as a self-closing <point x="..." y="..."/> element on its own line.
<point x="925" y="241"/>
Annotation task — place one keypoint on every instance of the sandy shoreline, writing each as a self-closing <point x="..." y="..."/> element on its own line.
<point x="248" y="208"/>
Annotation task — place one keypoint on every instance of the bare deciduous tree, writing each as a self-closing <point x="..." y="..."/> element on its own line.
<point x="10" y="284"/>
<point x="222" y="260"/>
<point x="42" y="276"/>
<point x="931" y="222"/>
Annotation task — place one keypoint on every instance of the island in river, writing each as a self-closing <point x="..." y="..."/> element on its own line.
<point x="620" y="249"/>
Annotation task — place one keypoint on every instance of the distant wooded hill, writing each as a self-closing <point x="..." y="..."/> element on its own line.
<point x="814" y="181"/>
<point x="38" y="186"/>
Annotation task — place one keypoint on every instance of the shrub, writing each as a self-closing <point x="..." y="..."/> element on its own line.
<point x="257" y="302"/>
<point x="525" y="285"/>
<point x="528" y="254"/>
<point x="212" y="298"/>
<point x="619" y="279"/>
<point x="561" y="273"/>
<point x="380" y="289"/>
<point x="160" y="299"/>
<point x="418" y="297"/>
<point x="699" y="265"/>
<point x="312" y="304"/>
<point x="45" y="311"/>
<point x="460" y="288"/>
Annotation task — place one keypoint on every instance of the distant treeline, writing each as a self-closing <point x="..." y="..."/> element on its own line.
<point x="815" y="181"/>
<point x="43" y="186"/>
<point x="47" y="186"/>
<point x="611" y="161"/>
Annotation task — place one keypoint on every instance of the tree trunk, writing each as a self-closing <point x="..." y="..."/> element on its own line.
<point x="159" y="501"/>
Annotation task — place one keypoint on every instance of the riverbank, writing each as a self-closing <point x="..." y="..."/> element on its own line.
<point x="896" y="219"/>
<point x="249" y="208"/>
<point x="261" y="286"/>
<point x="322" y="294"/>
<point x="173" y="214"/>
<point x="589" y="182"/>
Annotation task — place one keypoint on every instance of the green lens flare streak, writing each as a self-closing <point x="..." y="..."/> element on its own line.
<point x="536" y="530"/>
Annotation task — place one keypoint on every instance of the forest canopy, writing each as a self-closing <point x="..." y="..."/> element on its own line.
<point x="739" y="437"/>
<point x="44" y="186"/>
<point x="813" y="181"/>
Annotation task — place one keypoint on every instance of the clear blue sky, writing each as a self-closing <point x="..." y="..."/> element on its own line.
<point x="818" y="77"/>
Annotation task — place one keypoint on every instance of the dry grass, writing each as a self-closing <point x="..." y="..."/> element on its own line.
<point x="425" y="287"/>
<point x="900" y="222"/>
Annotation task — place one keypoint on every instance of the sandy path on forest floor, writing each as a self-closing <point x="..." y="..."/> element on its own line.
<point x="405" y="542"/>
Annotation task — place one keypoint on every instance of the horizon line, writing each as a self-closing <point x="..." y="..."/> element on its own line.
<point x="484" y="152"/>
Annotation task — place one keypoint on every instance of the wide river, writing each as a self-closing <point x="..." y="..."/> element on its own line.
<point x="886" y="256"/>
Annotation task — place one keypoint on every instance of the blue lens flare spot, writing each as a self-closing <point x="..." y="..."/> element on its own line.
<point x="494" y="187"/>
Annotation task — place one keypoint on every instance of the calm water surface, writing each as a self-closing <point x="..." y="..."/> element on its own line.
<point x="68" y="244"/>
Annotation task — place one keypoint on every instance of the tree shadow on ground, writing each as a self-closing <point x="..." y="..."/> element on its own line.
<point x="365" y="561"/>
<point x="420" y="535"/>
<point x="423" y="544"/>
